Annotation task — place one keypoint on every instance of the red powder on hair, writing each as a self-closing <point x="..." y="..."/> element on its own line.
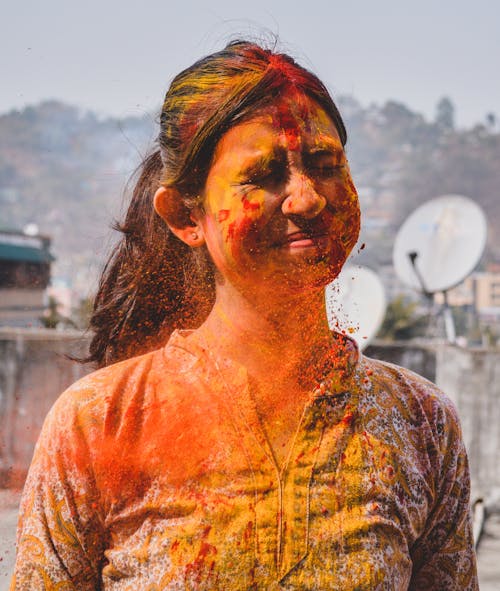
<point x="288" y="70"/>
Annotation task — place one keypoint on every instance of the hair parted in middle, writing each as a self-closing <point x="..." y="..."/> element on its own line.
<point x="153" y="283"/>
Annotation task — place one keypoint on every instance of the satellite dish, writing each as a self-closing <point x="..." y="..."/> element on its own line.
<point x="355" y="304"/>
<point x="31" y="229"/>
<point x="440" y="243"/>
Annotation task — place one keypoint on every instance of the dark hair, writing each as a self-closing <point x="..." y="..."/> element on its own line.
<point x="154" y="283"/>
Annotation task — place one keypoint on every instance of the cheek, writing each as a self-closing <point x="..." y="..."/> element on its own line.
<point x="248" y="206"/>
<point x="348" y="212"/>
<point x="241" y="227"/>
<point x="346" y="189"/>
<point x="241" y="236"/>
<point x="350" y="230"/>
<point x="251" y="205"/>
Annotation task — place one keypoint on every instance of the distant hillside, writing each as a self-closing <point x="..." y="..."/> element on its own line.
<point x="66" y="170"/>
<point x="403" y="160"/>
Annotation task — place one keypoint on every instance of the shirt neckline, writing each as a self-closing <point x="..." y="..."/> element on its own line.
<point x="341" y="379"/>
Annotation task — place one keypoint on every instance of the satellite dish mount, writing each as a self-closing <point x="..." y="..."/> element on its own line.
<point x="437" y="247"/>
<point x="445" y="310"/>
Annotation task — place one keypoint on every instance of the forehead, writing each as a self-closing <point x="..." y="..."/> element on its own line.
<point x="291" y="123"/>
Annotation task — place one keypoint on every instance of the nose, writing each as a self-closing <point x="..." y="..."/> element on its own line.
<point x="301" y="198"/>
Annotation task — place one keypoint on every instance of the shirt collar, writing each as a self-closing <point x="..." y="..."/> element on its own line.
<point x="340" y="372"/>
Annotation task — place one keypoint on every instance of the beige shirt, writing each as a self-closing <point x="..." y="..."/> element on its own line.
<point x="155" y="473"/>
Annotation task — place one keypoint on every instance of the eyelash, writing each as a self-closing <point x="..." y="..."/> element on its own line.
<point x="276" y="175"/>
<point x="261" y="178"/>
<point x="327" y="171"/>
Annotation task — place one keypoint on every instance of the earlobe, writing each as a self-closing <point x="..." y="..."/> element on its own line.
<point x="170" y="206"/>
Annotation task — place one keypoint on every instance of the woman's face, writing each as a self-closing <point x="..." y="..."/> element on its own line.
<point x="280" y="208"/>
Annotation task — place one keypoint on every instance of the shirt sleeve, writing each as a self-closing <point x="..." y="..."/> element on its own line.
<point x="444" y="557"/>
<point x="60" y="535"/>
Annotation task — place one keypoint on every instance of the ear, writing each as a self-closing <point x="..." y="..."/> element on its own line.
<point x="181" y="221"/>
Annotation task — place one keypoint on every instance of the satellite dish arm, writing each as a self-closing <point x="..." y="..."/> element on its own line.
<point x="413" y="260"/>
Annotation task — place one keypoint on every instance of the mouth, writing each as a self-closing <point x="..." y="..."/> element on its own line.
<point x="301" y="239"/>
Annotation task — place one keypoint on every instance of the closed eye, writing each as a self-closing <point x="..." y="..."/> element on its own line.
<point x="269" y="176"/>
<point x="324" y="164"/>
<point x="325" y="172"/>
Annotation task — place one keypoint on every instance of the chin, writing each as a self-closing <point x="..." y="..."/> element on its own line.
<point x="327" y="268"/>
<point x="311" y="278"/>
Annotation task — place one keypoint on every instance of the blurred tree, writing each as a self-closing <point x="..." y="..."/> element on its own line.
<point x="462" y="318"/>
<point x="445" y="114"/>
<point x="53" y="318"/>
<point x="491" y="121"/>
<point x="402" y="320"/>
<point x="81" y="314"/>
<point x="489" y="336"/>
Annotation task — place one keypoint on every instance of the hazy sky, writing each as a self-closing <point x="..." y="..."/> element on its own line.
<point x="117" y="57"/>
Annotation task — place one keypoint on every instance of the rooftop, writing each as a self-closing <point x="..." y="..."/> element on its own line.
<point x="21" y="247"/>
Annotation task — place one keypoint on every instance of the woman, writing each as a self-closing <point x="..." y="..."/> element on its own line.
<point x="247" y="447"/>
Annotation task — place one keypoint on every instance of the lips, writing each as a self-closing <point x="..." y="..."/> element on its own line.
<point x="300" y="239"/>
<point x="298" y="236"/>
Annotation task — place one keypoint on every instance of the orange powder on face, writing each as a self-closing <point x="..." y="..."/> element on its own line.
<point x="351" y="186"/>
<point x="285" y="121"/>
<point x="240" y="230"/>
<point x="249" y="206"/>
<point x="237" y="232"/>
<point x="291" y="115"/>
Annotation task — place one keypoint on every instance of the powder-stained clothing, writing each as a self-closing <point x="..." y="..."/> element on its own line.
<point x="155" y="473"/>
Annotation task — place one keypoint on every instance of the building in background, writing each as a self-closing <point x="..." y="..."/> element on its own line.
<point x="481" y="290"/>
<point x="25" y="261"/>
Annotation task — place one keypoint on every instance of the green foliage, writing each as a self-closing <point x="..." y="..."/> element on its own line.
<point x="445" y="114"/>
<point x="82" y="313"/>
<point x="402" y="320"/>
<point x="53" y="318"/>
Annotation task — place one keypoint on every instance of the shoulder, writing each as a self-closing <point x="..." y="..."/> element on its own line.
<point x="98" y="387"/>
<point x="408" y="386"/>
<point x="103" y="399"/>
<point x="412" y="404"/>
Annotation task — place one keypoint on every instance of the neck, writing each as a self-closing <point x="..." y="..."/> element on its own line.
<point x="285" y="345"/>
<point x="278" y="336"/>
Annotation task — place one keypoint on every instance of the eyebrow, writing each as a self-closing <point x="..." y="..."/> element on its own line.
<point x="261" y="161"/>
<point x="326" y="144"/>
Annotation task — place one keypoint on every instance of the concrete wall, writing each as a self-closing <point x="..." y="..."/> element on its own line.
<point x="21" y="307"/>
<point x="420" y="358"/>
<point x="471" y="378"/>
<point x="34" y="371"/>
